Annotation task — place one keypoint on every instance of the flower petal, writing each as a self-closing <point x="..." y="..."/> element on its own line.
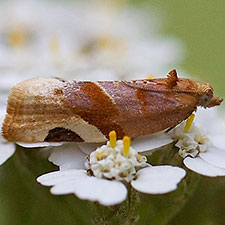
<point x="158" y="179"/>
<point x="214" y="156"/>
<point x="216" y="129"/>
<point x="218" y="140"/>
<point x="87" y="148"/>
<point x="39" y="145"/>
<point x="200" y="166"/>
<point x="105" y="192"/>
<point x="150" y="142"/>
<point x="58" y="177"/>
<point x="68" y="156"/>
<point x="6" y="151"/>
<point x="204" y="115"/>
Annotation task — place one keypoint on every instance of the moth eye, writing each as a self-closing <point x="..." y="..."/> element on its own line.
<point x="205" y="99"/>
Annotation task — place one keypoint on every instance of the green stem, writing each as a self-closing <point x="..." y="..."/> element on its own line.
<point x="160" y="209"/>
<point x="125" y="213"/>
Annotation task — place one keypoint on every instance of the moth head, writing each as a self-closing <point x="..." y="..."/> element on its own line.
<point x="206" y="98"/>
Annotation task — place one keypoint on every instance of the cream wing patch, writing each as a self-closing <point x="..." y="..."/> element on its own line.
<point x="89" y="133"/>
<point x="49" y="114"/>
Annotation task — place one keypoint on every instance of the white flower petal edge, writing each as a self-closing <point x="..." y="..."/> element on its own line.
<point x="6" y="151"/>
<point x="158" y="179"/>
<point x="141" y="144"/>
<point x="214" y="156"/>
<point x="39" y="145"/>
<point x="77" y="182"/>
<point x="57" y="177"/>
<point x="87" y="148"/>
<point x="151" y="142"/>
<point x="69" y="156"/>
<point x="200" y="166"/>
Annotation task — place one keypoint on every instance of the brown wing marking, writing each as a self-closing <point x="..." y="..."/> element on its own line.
<point x="60" y="134"/>
<point x="95" y="106"/>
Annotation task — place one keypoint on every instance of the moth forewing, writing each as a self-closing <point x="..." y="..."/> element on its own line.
<point x="55" y="110"/>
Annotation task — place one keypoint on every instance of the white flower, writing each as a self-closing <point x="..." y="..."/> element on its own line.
<point x="110" y="163"/>
<point x="85" y="187"/>
<point x="199" y="153"/>
<point x="42" y="38"/>
<point x="97" y="177"/>
<point x="212" y="122"/>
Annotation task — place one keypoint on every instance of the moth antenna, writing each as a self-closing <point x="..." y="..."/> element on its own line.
<point x="172" y="79"/>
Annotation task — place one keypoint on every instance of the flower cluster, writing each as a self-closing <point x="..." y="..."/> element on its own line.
<point x="199" y="153"/>
<point x="113" y="163"/>
<point x="107" y="170"/>
<point x="46" y="38"/>
<point x="190" y="139"/>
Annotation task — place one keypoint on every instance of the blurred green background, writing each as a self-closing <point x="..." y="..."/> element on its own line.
<point x="200" y="25"/>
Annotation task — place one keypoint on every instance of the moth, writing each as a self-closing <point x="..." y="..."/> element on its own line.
<point x="55" y="110"/>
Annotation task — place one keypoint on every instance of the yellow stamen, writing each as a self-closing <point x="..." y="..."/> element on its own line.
<point x="126" y="145"/>
<point x="189" y="122"/>
<point x="150" y="77"/>
<point x="112" y="139"/>
<point x="17" y="37"/>
<point x="99" y="155"/>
